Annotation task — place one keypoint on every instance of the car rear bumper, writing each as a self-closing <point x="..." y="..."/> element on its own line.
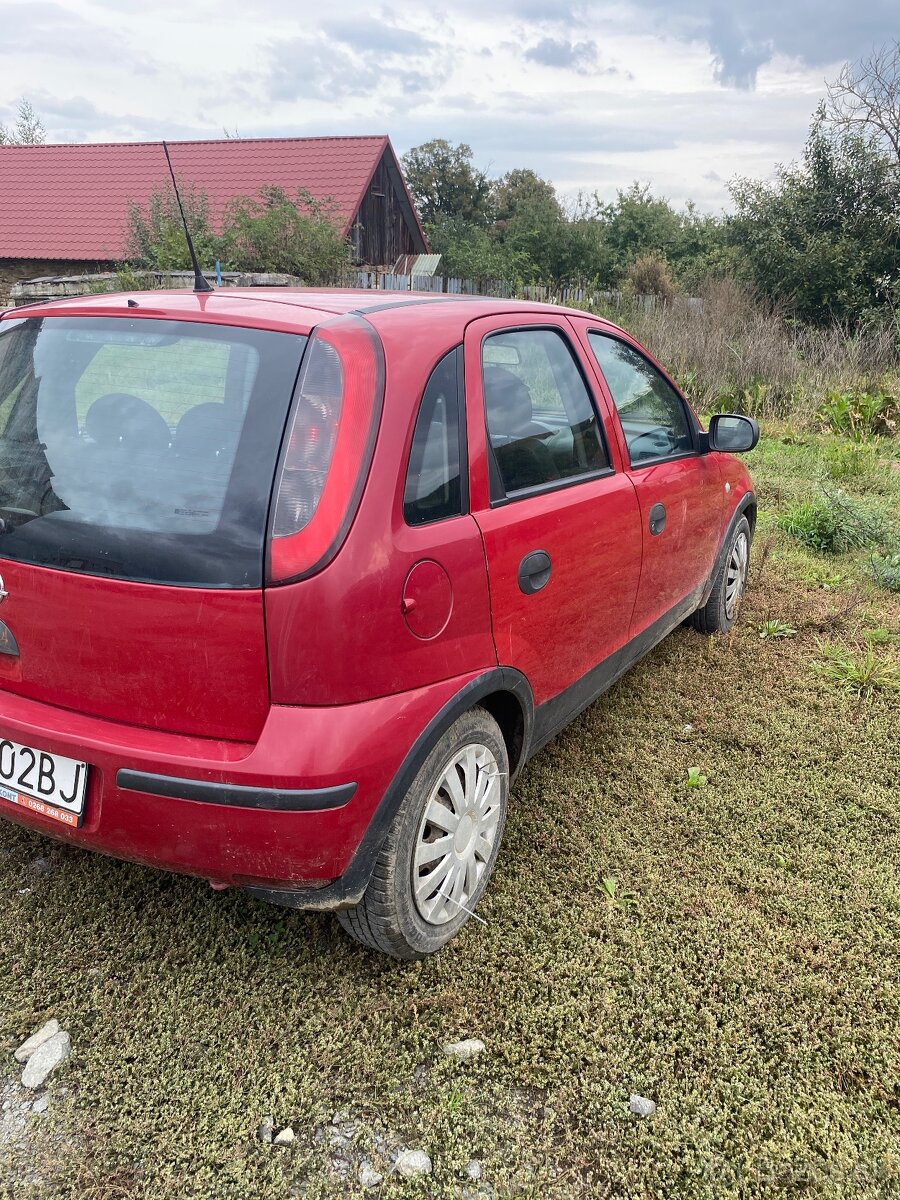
<point x="286" y="813"/>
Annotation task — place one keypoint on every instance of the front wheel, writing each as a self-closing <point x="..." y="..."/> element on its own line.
<point x="720" y="611"/>
<point x="441" y="847"/>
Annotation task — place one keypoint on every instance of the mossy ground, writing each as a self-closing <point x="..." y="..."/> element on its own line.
<point x="750" y="989"/>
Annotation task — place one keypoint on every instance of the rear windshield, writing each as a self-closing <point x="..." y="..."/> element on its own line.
<point x="141" y="449"/>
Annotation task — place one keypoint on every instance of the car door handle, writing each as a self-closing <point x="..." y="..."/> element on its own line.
<point x="657" y="522"/>
<point x="534" y="572"/>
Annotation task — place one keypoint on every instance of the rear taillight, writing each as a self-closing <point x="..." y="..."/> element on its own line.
<point x="328" y="448"/>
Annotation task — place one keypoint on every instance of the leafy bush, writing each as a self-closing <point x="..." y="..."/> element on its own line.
<point x="886" y="569"/>
<point x="273" y="231"/>
<point x="833" y="523"/>
<point x="297" y="235"/>
<point x="156" y="234"/>
<point x="860" y="415"/>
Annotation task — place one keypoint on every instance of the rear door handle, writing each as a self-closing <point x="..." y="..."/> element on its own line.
<point x="657" y="522"/>
<point x="534" y="572"/>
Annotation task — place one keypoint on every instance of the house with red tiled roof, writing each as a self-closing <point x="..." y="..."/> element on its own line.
<point x="64" y="208"/>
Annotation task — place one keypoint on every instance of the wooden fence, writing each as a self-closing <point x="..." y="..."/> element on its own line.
<point x="51" y="288"/>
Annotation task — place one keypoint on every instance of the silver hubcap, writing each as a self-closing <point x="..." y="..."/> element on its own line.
<point x="736" y="575"/>
<point x="457" y="835"/>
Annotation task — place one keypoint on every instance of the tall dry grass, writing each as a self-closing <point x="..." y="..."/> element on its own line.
<point x="735" y="349"/>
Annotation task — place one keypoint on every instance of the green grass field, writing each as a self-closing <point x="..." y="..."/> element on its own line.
<point x="743" y="974"/>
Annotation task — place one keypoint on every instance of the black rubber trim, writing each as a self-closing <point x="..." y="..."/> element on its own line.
<point x="237" y="795"/>
<point x="348" y="890"/>
<point x="553" y="715"/>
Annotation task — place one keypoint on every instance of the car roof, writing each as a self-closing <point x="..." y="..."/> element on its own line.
<point x="296" y="310"/>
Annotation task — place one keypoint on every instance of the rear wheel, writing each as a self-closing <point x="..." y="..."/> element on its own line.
<point x="441" y="847"/>
<point x="720" y="611"/>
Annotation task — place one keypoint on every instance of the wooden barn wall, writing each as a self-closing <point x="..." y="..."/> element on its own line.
<point x="381" y="232"/>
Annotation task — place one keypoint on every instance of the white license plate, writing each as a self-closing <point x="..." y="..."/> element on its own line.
<point x="44" y="783"/>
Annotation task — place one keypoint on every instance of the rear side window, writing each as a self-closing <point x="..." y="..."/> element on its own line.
<point x="652" y="414"/>
<point x="141" y="449"/>
<point x="434" y="481"/>
<point x="540" y="418"/>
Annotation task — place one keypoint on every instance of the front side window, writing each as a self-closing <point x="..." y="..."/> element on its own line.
<point x="652" y="414"/>
<point x="541" y="422"/>
<point x="141" y="449"/>
<point x="434" y="480"/>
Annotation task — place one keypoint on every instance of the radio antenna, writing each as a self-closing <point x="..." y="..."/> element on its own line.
<point x="201" y="283"/>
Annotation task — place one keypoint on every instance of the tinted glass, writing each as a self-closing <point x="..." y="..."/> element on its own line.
<point x="434" y="478"/>
<point x="540" y="418"/>
<point x="141" y="449"/>
<point x="653" y="417"/>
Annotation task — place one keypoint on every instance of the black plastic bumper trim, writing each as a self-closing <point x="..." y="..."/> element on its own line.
<point x="238" y="795"/>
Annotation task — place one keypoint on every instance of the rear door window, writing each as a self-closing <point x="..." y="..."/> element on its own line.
<point x="141" y="449"/>
<point x="541" y="422"/>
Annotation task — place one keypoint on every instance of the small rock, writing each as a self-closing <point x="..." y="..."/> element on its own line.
<point x="266" y="1130"/>
<point x="40" y="866"/>
<point x="284" y="1138"/>
<point x="412" y="1162"/>
<point x="473" y="1170"/>
<point x="337" y="1141"/>
<point x="464" y="1050"/>
<point x="688" y="728"/>
<point x="44" y="1034"/>
<point x="641" y="1106"/>
<point x="46" y="1058"/>
<point x="368" y="1177"/>
<point x="41" y="1105"/>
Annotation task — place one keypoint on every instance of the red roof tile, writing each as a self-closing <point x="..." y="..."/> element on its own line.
<point x="71" y="201"/>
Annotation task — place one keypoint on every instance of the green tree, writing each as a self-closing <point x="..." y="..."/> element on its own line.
<point x="445" y="183"/>
<point x="27" y="131"/>
<point x="825" y="236"/>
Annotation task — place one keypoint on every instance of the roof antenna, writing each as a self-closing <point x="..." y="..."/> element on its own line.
<point x="201" y="283"/>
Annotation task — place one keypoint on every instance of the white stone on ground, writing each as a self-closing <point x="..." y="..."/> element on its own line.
<point x="641" y="1106"/>
<point x="45" y="1059"/>
<point x="368" y="1177"/>
<point x="284" y="1138"/>
<point x="473" y="1170"/>
<point x="464" y="1050"/>
<point x="31" y="1044"/>
<point x="412" y="1162"/>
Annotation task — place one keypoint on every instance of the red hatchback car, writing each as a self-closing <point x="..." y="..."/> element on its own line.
<point x="294" y="582"/>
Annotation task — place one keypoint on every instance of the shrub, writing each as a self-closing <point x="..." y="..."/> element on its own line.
<point x="297" y="235"/>
<point x="649" y="276"/>
<point x="832" y="523"/>
<point x="156" y="234"/>
<point x="886" y="570"/>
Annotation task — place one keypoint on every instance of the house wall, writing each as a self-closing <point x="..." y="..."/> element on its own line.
<point x="14" y="270"/>
<point x="380" y="232"/>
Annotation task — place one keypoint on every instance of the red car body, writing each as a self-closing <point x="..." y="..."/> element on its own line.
<point x="261" y="736"/>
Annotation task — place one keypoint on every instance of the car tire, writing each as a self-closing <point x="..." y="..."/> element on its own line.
<point x="720" y="611"/>
<point x="419" y="898"/>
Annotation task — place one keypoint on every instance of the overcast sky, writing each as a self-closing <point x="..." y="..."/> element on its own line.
<point x="684" y="94"/>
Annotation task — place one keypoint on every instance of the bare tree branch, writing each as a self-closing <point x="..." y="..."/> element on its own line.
<point x="866" y="96"/>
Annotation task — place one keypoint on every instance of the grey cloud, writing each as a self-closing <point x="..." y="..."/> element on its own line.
<point x="560" y="52"/>
<point x="316" y="69"/>
<point x="51" y="30"/>
<point x="368" y="35"/>
<point x="743" y="35"/>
